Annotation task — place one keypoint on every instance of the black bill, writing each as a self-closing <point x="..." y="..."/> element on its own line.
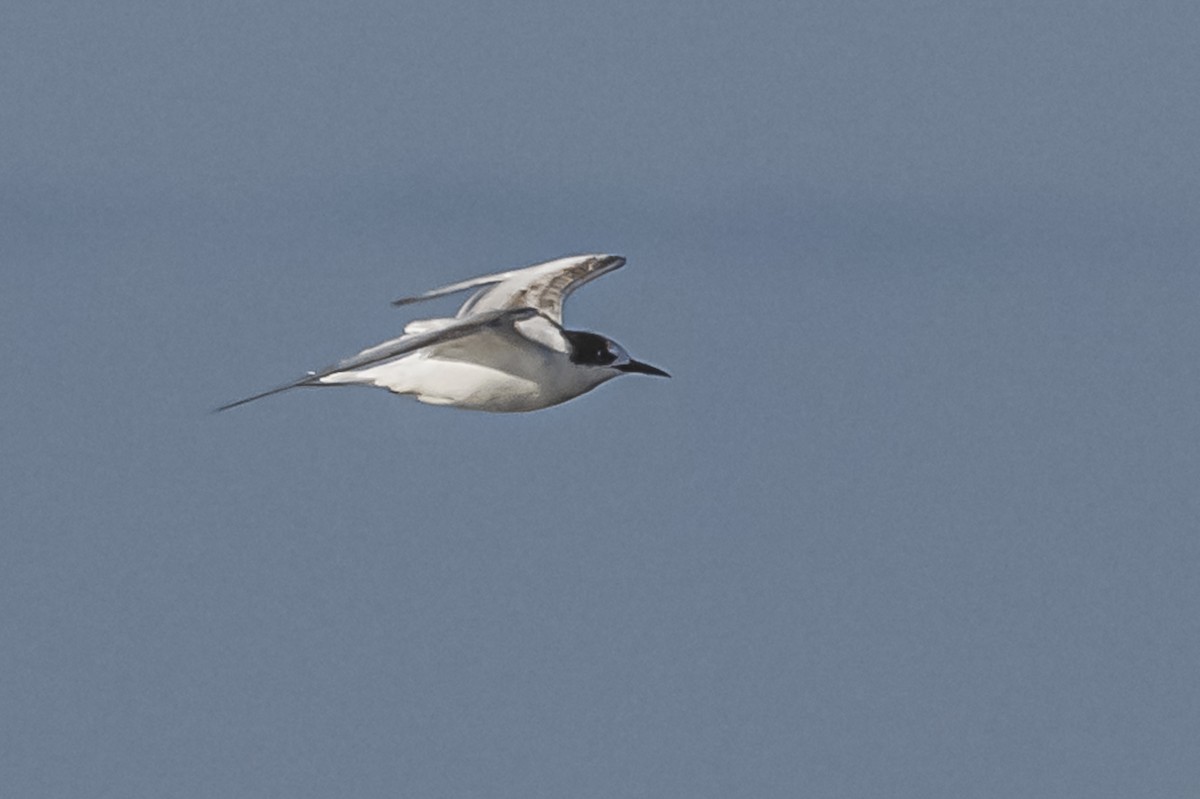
<point x="642" y="368"/>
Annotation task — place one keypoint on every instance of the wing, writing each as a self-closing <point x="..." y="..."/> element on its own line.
<point x="404" y="345"/>
<point x="543" y="287"/>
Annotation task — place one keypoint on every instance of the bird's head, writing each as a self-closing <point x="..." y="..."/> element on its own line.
<point x="592" y="350"/>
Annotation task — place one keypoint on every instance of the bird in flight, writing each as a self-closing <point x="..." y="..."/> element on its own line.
<point x="505" y="351"/>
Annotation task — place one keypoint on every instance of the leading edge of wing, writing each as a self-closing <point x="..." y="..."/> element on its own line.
<point x="607" y="263"/>
<point x="397" y="347"/>
<point x="454" y="288"/>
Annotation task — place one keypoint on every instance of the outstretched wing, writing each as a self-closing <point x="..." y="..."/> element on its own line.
<point x="543" y="287"/>
<point x="404" y="345"/>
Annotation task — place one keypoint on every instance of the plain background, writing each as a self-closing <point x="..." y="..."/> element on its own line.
<point x="916" y="517"/>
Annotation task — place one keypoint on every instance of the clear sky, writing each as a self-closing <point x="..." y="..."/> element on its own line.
<point x="918" y="515"/>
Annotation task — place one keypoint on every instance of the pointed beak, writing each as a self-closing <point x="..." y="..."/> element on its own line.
<point x="642" y="368"/>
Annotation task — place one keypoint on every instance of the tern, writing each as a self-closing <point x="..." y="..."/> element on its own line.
<point x="506" y="351"/>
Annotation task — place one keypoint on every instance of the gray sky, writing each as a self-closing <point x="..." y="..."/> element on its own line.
<point x="916" y="517"/>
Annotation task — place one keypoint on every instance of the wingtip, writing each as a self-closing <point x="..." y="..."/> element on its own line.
<point x="605" y="259"/>
<point x="307" y="380"/>
<point x="229" y="405"/>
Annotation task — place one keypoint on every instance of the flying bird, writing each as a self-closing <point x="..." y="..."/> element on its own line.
<point x="505" y="351"/>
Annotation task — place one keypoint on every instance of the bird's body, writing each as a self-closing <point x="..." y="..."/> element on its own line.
<point x="505" y="350"/>
<point x="491" y="369"/>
